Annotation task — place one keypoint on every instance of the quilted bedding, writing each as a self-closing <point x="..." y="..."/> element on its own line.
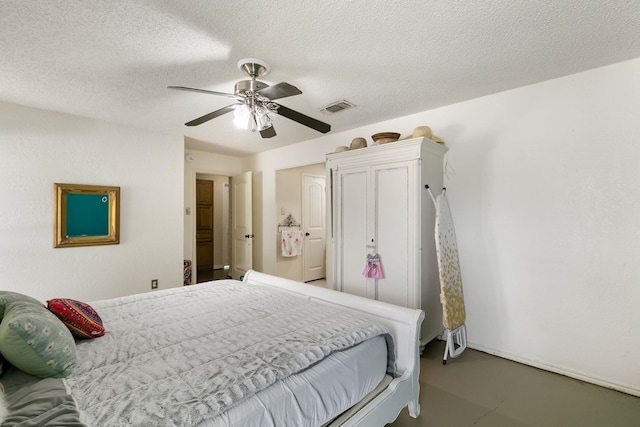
<point x="183" y="355"/>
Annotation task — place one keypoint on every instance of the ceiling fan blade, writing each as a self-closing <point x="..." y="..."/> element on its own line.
<point x="303" y="119"/>
<point x="213" y="115"/>
<point x="269" y="132"/>
<point x="281" y="90"/>
<point x="210" y="92"/>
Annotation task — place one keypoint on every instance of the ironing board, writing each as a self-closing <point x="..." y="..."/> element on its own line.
<point x="451" y="295"/>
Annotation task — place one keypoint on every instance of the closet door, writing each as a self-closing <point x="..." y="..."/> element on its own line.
<point x="393" y="228"/>
<point x="351" y="230"/>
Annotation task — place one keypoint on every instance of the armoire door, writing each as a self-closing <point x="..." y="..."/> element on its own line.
<point x="392" y="227"/>
<point x="351" y="229"/>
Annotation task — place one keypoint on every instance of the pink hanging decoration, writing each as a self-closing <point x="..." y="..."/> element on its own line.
<point x="373" y="269"/>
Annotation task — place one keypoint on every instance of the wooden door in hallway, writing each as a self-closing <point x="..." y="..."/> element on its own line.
<point x="204" y="224"/>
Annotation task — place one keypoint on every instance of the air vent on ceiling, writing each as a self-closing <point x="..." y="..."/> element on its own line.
<point x="337" y="106"/>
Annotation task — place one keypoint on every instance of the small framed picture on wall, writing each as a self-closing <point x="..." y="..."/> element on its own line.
<point x="86" y="215"/>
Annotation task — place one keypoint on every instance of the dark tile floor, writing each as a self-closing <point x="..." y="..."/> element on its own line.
<point x="217" y="274"/>
<point x="480" y="390"/>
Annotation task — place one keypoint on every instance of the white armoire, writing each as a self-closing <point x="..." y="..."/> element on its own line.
<point x="378" y="204"/>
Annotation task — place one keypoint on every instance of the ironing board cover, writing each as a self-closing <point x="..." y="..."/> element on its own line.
<point x="451" y="294"/>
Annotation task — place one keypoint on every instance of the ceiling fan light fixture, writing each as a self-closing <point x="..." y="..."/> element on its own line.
<point x="242" y="116"/>
<point x="262" y="118"/>
<point x="257" y="119"/>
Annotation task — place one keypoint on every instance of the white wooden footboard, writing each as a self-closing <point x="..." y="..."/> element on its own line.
<point x="404" y="325"/>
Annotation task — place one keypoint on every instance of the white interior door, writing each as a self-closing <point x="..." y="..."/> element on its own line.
<point x="241" y="225"/>
<point x="313" y="223"/>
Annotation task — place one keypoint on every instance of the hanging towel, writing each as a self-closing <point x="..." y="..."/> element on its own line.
<point x="451" y="294"/>
<point x="291" y="241"/>
<point x="373" y="269"/>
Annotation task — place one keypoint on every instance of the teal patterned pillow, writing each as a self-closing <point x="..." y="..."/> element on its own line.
<point x="35" y="341"/>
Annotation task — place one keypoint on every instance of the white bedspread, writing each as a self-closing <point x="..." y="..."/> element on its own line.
<point x="179" y="356"/>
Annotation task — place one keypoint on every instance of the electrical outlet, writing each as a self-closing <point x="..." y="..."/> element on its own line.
<point x="154" y="284"/>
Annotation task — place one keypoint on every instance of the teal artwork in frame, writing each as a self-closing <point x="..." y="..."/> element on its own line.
<point x="86" y="215"/>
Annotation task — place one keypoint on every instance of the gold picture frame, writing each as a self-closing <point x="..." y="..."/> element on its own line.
<point x="85" y="215"/>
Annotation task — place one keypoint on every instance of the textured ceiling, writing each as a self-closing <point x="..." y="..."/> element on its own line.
<point x="112" y="60"/>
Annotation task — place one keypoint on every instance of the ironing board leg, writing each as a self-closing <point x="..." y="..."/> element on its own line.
<point x="456" y="337"/>
<point x="446" y="347"/>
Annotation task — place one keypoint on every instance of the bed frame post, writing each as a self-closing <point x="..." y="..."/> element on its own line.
<point x="414" y="404"/>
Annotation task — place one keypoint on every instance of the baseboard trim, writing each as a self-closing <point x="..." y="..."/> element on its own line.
<point x="582" y="377"/>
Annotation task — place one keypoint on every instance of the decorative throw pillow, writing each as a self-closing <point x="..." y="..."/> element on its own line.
<point x="35" y="341"/>
<point x="81" y="319"/>
<point x="7" y="297"/>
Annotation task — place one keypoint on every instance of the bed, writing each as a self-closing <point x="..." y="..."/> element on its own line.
<point x="291" y="354"/>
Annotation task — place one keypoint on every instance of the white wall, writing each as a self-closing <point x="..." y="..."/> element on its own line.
<point x="543" y="186"/>
<point x="39" y="148"/>
<point x="288" y="197"/>
<point x="545" y="198"/>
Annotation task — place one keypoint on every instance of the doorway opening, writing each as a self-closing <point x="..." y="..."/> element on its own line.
<point x="300" y="192"/>
<point x="212" y="227"/>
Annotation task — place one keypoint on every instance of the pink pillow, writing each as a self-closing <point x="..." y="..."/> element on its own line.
<point x="81" y="319"/>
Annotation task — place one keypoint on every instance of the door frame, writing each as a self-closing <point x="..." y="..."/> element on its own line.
<point x="192" y="209"/>
<point x="211" y="225"/>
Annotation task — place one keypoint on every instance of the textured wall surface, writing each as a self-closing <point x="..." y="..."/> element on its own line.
<point x="542" y="183"/>
<point x="38" y="148"/>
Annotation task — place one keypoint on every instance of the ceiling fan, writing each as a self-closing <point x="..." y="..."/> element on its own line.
<point x="254" y="107"/>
